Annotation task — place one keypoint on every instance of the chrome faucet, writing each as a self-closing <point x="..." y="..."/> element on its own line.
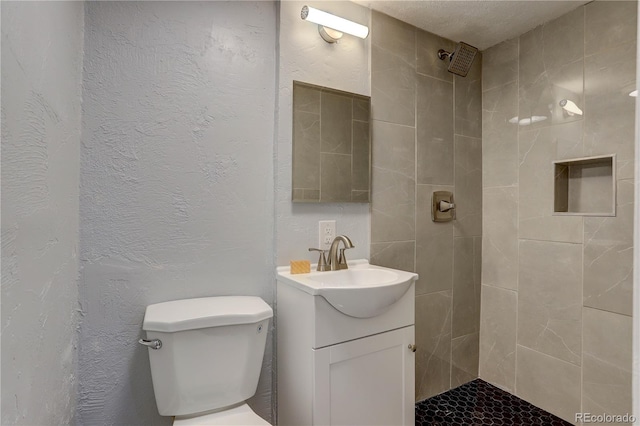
<point x="336" y="262"/>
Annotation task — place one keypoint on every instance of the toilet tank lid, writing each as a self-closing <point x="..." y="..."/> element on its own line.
<point x="190" y="314"/>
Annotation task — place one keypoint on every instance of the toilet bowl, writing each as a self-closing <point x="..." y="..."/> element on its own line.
<point x="206" y="356"/>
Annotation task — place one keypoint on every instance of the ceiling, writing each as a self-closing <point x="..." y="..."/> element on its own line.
<point x="481" y="23"/>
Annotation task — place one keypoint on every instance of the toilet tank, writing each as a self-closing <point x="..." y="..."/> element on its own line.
<point x="211" y="354"/>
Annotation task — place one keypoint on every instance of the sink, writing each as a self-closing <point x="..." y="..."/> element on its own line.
<point x="362" y="291"/>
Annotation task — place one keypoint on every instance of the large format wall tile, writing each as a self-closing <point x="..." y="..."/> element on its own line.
<point x="464" y="359"/>
<point x="468" y="186"/>
<point x="549" y="383"/>
<point x="500" y="136"/>
<point x="609" y="24"/>
<point x="538" y="149"/>
<point x="550" y="299"/>
<point x="608" y="256"/>
<point x="435" y="143"/>
<point x="398" y="255"/>
<point x="551" y="69"/>
<point x="466" y="288"/>
<point x="335" y="175"/>
<point x="500" y="64"/>
<point x="552" y="44"/>
<point x="433" y="357"/>
<point x="393" y="86"/>
<point x="428" y="62"/>
<point x="434" y="245"/>
<point x="607" y="362"/>
<point x="395" y="37"/>
<point x="468" y="101"/>
<point x="497" y="363"/>
<point x="306" y="132"/>
<point x="335" y="123"/>
<point x="393" y="183"/>
<point x="361" y="156"/>
<point x="609" y="112"/>
<point x="500" y="237"/>
<point x="393" y="89"/>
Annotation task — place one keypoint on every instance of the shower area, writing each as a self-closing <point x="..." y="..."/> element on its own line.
<point x="529" y="289"/>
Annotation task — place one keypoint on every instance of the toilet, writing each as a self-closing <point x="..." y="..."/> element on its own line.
<point x="206" y="355"/>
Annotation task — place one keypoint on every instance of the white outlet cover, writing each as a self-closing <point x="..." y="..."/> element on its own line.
<point x="326" y="233"/>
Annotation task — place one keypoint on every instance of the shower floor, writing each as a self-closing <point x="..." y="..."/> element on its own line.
<point x="479" y="403"/>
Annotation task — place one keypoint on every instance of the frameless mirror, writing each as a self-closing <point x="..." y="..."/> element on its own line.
<point x="331" y="145"/>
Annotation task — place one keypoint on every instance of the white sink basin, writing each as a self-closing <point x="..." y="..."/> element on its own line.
<point x="362" y="291"/>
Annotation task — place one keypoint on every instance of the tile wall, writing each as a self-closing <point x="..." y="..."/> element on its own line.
<point x="426" y="136"/>
<point x="556" y="302"/>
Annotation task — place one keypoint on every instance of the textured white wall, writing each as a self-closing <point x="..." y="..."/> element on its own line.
<point x="304" y="56"/>
<point x="41" y="98"/>
<point x="176" y="181"/>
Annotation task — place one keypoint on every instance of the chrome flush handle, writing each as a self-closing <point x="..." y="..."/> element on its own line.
<point x="153" y="344"/>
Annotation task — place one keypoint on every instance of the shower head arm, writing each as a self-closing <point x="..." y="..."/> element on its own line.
<point x="442" y="54"/>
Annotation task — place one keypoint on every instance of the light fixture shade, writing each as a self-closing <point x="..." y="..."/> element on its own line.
<point x="570" y="107"/>
<point x="334" y="22"/>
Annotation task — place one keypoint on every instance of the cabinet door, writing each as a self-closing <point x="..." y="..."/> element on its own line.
<point x="368" y="381"/>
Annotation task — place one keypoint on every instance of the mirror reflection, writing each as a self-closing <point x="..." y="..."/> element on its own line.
<point x="331" y="145"/>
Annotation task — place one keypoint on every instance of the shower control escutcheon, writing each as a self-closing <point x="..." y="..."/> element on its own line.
<point x="442" y="206"/>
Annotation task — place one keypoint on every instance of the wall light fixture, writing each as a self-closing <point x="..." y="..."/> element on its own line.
<point x="332" y="27"/>
<point x="570" y="107"/>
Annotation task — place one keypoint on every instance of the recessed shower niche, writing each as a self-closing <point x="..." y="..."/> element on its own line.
<point x="585" y="186"/>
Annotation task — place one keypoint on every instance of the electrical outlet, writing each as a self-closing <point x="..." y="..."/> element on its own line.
<point x="326" y="233"/>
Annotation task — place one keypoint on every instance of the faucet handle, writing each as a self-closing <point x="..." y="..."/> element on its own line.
<point x="322" y="262"/>
<point x="342" y="260"/>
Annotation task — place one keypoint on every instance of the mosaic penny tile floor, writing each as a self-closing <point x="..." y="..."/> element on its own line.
<point x="479" y="403"/>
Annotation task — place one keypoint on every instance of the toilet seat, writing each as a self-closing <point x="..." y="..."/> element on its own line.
<point x="241" y="415"/>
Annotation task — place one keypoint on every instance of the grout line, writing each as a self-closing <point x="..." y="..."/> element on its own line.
<point x="515" y="356"/>
<point x="391" y="122"/>
<point x="584" y="98"/>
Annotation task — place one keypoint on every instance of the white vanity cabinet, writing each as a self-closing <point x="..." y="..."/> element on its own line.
<point x="336" y="369"/>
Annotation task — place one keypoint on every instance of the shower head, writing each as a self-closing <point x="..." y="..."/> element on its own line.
<point x="461" y="59"/>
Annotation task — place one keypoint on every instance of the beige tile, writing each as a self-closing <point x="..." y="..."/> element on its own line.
<point x="538" y="149"/>
<point x="609" y="111"/>
<point x="539" y="98"/>
<point x="393" y="88"/>
<point x="397" y="255"/>
<point x="360" y="196"/>
<point x="468" y="103"/>
<point x="306" y="150"/>
<point x="608" y="256"/>
<point x="499" y="136"/>
<point x="548" y="383"/>
<point x="608" y="24"/>
<point x="435" y="143"/>
<point x="500" y="237"/>
<point x="497" y="362"/>
<point x="464" y="359"/>
<point x="606" y="372"/>
<point x="306" y="98"/>
<point x="466" y="289"/>
<point x="361" y="151"/>
<point x="428" y="62"/>
<point x="335" y="174"/>
<point x="500" y="64"/>
<point x="434" y="245"/>
<point x="550" y="299"/>
<point x="468" y="186"/>
<point x="335" y="123"/>
<point x="361" y="109"/>
<point x="433" y="339"/>
<point x="394" y="36"/>
<point x="393" y="183"/>
<point x="551" y="45"/>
